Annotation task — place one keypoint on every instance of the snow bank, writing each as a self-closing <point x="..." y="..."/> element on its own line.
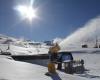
<point x="14" y="70"/>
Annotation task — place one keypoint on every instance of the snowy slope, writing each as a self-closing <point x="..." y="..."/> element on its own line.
<point x="14" y="70"/>
<point x="4" y="38"/>
<point x="16" y="50"/>
<point x="20" y="47"/>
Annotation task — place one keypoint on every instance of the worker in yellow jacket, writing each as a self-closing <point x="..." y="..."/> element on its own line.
<point x="53" y="51"/>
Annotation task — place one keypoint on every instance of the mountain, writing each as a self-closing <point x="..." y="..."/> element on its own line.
<point x="21" y="46"/>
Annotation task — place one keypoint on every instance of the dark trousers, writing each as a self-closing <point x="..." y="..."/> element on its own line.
<point x="53" y="57"/>
<point x="59" y="66"/>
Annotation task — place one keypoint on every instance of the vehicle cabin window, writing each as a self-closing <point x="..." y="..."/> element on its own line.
<point x="63" y="56"/>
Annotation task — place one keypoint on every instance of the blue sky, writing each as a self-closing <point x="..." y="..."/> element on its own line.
<point x="58" y="18"/>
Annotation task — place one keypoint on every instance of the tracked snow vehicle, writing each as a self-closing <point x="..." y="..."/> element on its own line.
<point x="67" y="63"/>
<point x="65" y="60"/>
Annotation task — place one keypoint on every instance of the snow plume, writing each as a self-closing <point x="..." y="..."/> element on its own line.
<point x="57" y="40"/>
<point x="87" y="33"/>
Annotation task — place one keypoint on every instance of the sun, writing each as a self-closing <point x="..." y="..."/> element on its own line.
<point x="27" y="11"/>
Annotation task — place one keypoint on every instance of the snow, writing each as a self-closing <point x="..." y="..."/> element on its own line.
<point x="20" y="50"/>
<point x="92" y="64"/>
<point x="22" y="47"/>
<point x="82" y="50"/>
<point x="16" y="50"/>
<point x="15" y="70"/>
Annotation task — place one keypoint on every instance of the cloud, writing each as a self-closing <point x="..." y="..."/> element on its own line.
<point x="87" y="33"/>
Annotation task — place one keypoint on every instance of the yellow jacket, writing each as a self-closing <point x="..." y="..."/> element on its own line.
<point x="54" y="49"/>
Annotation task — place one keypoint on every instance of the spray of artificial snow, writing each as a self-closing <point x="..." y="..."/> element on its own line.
<point x="87" y="33"/>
